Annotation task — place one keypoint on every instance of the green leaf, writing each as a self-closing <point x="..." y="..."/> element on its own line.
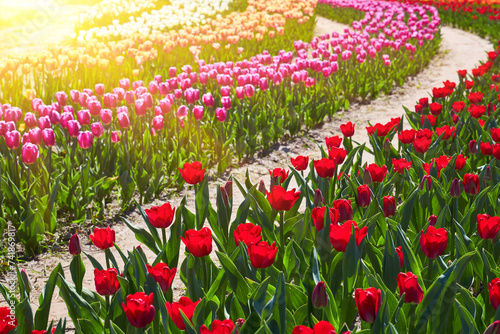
<point x="236" y="281"/>
<point x="45" y="299"/>
<point x="275" y="309"/>
<point x="143" y="236"/>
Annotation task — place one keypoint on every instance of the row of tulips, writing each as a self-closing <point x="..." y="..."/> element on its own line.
<point x="409" y="243"/>
<point x="86" y="62"/>
<point x="132" y="137"/>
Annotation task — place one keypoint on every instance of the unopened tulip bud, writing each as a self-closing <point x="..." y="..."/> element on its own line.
<point x="494" y="328"/>
<point x="473" y="147"/>
<point x="318" y="198"/>
<point x="75" y="247"/>
<point x="367" y="178"/>
<point x="432" y="220"/>
<point x="455" y="188"/>
<point x="229" y="189"/>
<point x="26" y="281"/>
<point x="319" y="296"/>
<point x="262" y="187"/>
<point x="224" y="196"/>
<point x="240" y="322"/>
<point x="487" y="175"/>
<point x="387" y="145"/>
<point x="141" y="252"/>
<point x="426" y="179"/>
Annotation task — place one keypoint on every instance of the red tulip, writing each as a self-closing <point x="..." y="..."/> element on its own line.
<point x="486" y="148"/>
<point x="248" y="234"/>
<point x="460" y="162"/>
<point x="389" y="206"/>
<point x="103" y="238"/>
<point x="261" y="254"/>
<point x="407" y="136"/>
<point x="198" y="243"/>
<point x="487" y="227"/>
<point x="321" y="327"/>
<point x="192" y="173"/>
<point x="399" y="251"/>
<point x="340" y="234"/>
<point x="280" y="173"/>
<point x="334" y="141"/>
<point x="495" y="134"/>
<point x="347" y="129"/>
<point x="139" y="309"/>
<point x="219" y="327"/>
<point x="8" y="320"/>
<point x="377" y="173"/>
<point x="300" y="163"/>
<point x="433" y="242"/>
<point x="106" y="281"/>
<point x="75" y="247"/>
<point x="400" y="165"/>
<point x="421" y="145"/>
<point x="364" y="196"/>
<point x="471" y="184"/>
<point x="186" y="306"/>
<point x="280" y="199"/>
<point x="161" y="216"/>
<point x="221" y="114"/>
<point x="162" y="274"/>
<point x="408" y="284"/>
<point x="337" y="155"/>
<point x="496" y="151"/>
<point x="494" y="292"/>
<point x="345" y="209"/>
<point x="435" y="108"/>
<point x="324" y="167"/>
<point x="319" y="297"/>
<point x="368" y="303"/>
<point x="43" y="331"/>
<point x="318" y="216"/>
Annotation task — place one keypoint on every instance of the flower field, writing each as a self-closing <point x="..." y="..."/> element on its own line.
<point x="396" y="235"/>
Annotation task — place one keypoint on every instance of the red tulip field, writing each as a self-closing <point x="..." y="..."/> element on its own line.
<point x="246" y="166"/>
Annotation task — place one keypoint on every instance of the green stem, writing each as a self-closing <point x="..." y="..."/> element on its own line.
<point x="164" y="235"/>
<point x="206" y="284"/>
<point x="262" y="274"/>
<point x="429" y="271"/>
<point x="282" y="231"/>
<point x="107" y="321"/>
<point x="106" y="253"/>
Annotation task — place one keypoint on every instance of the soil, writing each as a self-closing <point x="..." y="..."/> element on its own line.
<point x="459" y="50"/>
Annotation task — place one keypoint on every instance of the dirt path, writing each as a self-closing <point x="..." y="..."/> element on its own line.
<point x="455" y="45"/>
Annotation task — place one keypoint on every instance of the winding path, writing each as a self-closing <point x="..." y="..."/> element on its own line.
<point x="459" y="50"/>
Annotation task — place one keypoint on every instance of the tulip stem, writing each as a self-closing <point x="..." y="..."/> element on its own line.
<point x="164" y="235"/>
<point x="205" y="273"/>
<point x="107" y="321"/>
<point x="282" y="231"/>
<point x="262" y="274"/>
<point x="429" y="271"/>
<point x="28" y="196"/>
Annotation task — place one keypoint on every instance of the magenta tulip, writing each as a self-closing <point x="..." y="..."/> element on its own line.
<point x="97" y="129"/>
<point x="85" y="139"/>
<point x="30" y="153"/>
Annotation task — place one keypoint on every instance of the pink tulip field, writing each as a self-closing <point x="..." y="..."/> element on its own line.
<point x="154" y="101"/>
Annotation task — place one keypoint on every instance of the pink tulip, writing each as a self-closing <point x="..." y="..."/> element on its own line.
<point x="35" y="135"/>
<point x="44" y="122"/>
<point x="165" y="105"/>
<point x="120" y="93"/>
<point x="85" y="139"/>
<point x="208" y="100"/>
<point x="122" y="109"/>
<point x="35" y="103"/>
<point x="129" y="97"/>
<point x="124" y="83"/>
<point x="163" y="88"/>
<point x="198" y="112"/>
<point x="158" y="79"/>
<point x="221" y="114"/>
<point x="73" y="128"/>
<point x="61" y="98"/>
<point x="172" y="72"/>
<point x="83" y="117"/>
<point x="115" y="136"/>
<point x="110" y="100"/>
<point x="30" y="120"/>
<point x="97" y="129"/>
<point x="55" y="118"/>
<point x="13" y="139"/>
<point x="106" y="116"/>
<point x="3" y="128"/>
<point x="225" y="91"/>
<point x="140" y="107"/>
<point x="249" y="90"/>
<point x="203" y="78"/>
<point x="65" y="118"/>
<point x="190" y="95"/>
<point x="240" y="93"/>
<point x="123" y="120"/>
<point x="182" y="112"/>
<point x="99" y="89"/>
<point x="158" y="122"/>
<point x="30" y="153"/>
<point x="11" y="126"/>
<point x="226" y="102"/>
<point x="263" y="84"/>
<point x="26" y="139"/>
<point x="137" y="84"/>
<point x="149" y="100"/>
<point x="94" y="107"/>
<point x="49" y="137"/>
<point x="75" y="96"/>
<point x="153" y="87"/>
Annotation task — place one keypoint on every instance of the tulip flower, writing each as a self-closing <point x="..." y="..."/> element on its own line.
<point x="30" y="120"/>
<point x="106" y="281"/>
<point x="103" y="238"/>
<point x="30" y="153"/>
<point x="123" y="120"/>
<point x="318" y="198"/>
<point x="318" y="216"/>
<point x="221" y="114"/>
<point x="377" y="173"/>
<point x="399" y="251"/>
<point x="389" y="206"/>
<point x="75" y="247"/>
<point x="408" y="284"/>
<point x="334" y="141"/>
<point x="208" y="100"/>
<point x="282" y="200"/>
<point x="487" y="226"/>
<point x="494" y="328"/>
<point x="426" y="179"/>
<point x="340" y="234"/>
<point x="368" y="303"/>
<point x="300" y="162"/>
<point x="12" y="139"/>
<point x="324" y="167"/>
<point x="219" y="327"/>
<point x="192" y="173"/>
<point x="8" y="321"/>
<point x="198" y="112"/>
<point x="345" y="209"/>
<point x="337" y="155"/>
<point x="161" y="216"/>
<point x="433" y="242"/>
<point x="139" y="309"/>
<point x="97" y="129"/>
<point x="158" y="123"/>
<point x="198" y="243"/>
<point x="261" y="254"/>
<point x="73" y="128"/>
<point x="247" y="233"/>
<point x="319" y="296"/>
<point x="49" y="137"/>
<point x="347" y="129"/>
<point x="115" y="136"/>
<point x="280" y="174"/>
<point x="364" y="196"/>
<point x="186" y="306"/>
<point x="407" y="136"/>
<point x="162" y="274"/>
<point x="35" y="136"/>
<point x="494" y="292"/>
<point x="455" y="188"/>
<point x="85" y="139"/>
<point x="321" y="327"/>
<point x="471" y="184"/>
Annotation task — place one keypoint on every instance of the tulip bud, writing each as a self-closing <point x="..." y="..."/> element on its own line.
<point x="319" y="296"/>
<point x="318" y="198"/>
<point x="364" y="196"/>
<point x="432" y="220"/>
<point x="494" y="328"/>
<point x="473" y="147"/>
<point x="224" y="196"/>
<point x="75" y="247"/>
<point x="389" y="206"/>
<point x="426" y="179"/>
<point x="387" y="145"/>
<point x="240" y="322"/>
<point x="367" y="178"/>
<point x="487" y="175"/>
<point x="262" y="187"/>
<point x="455" y="188"/>
<point x="26" y="281"/>
<point x="229" y="189"/>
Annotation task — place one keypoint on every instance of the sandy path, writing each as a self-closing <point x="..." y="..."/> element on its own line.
<point x="455" y="45"/>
